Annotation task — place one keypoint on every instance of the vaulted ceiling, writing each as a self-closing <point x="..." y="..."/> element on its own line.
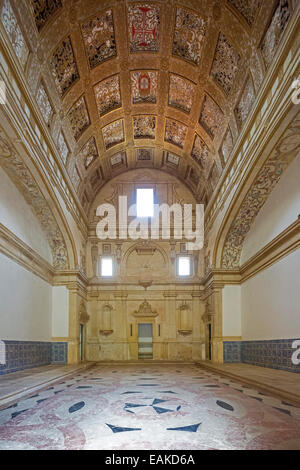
<point x="158" y="84"/>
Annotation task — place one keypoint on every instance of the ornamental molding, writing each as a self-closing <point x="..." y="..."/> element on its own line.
<point x="145" y="310"/>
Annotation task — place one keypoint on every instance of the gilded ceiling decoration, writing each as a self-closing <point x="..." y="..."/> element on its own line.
<point x="143" y="24"/>
<point x="200" y="153"/>
<point x="227" y="145"/>
<point x="246" y="102"/>
<point x="282" y="155"/>
<point x="214" y="176"/>
<point x="64" y="67"/>
<point x="79" y="117"/>
<point x="144" y="154"/>
<point x="247" y="8"/>
<point x="158" y="71"/>
<point x="99" y="38"/>
<point x="188" y="36"/>
<point x="225" y="64"/>
<point x="75" y="177"/>
<point x="14" y="33"/>
<point x="144" y="127"/>
<point x="173" y="159"/>
<point x="275" y="30"/>
<point x="118" y="160"/>
<point x="108" y="95"/>
<point x="194" y="176"/>
<point x="44" y="103"/>
<point x="144" y="86"/>
<point x="181" y="93"/>
<point x="175" y="133"/>
<point x="43" y="10"/>
<point x="62" y="147"/>
<point x="89" y="153"/>
<point x="113" y="134"/>
<point x="211" y="117"/>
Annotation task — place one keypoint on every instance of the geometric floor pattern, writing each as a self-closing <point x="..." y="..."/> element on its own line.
<point x="155" y="407"/>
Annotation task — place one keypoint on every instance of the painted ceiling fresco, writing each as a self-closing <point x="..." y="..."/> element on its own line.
<point x="143" y="24"/>
<point x="181" y="93"/>
<point x="211" y="117"/>
<point x="225" y="64"/>
<point x="108" y="95"/>
<point x="144" y="127"/>
<point x="189" y="35"/>
<point x="183" y="77"/>
<point x="43" y="10"/>
<point x="175" y="133"/>
<point x="247" y="8"/>
<point x="64" y="66"/>
<point x="144" y="86"/>
<point x="113" y="133"/>
<point x="99" y="38"/>
<point x="88" y="153"/>
<point x="79" y="117"/>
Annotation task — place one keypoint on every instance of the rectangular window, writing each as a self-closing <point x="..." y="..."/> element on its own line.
<point x="145" y="202"/>
<point x="106" y="267"/>
<point x="184" y="266"/>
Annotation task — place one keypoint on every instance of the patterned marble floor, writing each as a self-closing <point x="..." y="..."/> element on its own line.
<point x="161" y="407"/>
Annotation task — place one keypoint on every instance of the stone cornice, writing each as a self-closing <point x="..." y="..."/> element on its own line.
<point x="15" y="249"/>
<point x="282" y="245"/>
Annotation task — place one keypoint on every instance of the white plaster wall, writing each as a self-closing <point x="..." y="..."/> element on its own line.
<point x="280" y="210"/>
<point x="17" y="216"/>
<point x="25" y="304"/>
<point x="271" y="301"/>
<point x="60" y="312"/>
<point x="231" y="304"/>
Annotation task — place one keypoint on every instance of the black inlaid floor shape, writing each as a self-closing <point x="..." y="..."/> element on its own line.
<point x="224" y="405"/>
<point x="76" y="407"/>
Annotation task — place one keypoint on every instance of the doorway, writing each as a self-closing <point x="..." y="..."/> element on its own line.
<point x="145" y="341"/>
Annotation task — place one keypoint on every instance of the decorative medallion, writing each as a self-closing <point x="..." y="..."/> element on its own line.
<point x="143" y="21"/>
<point x="211" y="117"/>
<point x="175" y="133"/>
<point x="113" y="133"/>
<point x="144" y="86"/>
<point x="225" y="64"/>
<point x="79" y="118"/>
<point x="108" y="95"/>
<point x="63" y="66"/>
<point x="181" y="93"/>
<point x="188" y="36"/>
<point x="99" y="38"/>
<point x="144" y="127"/>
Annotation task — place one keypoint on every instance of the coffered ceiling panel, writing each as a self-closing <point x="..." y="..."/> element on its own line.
<point x="125" y="83"/>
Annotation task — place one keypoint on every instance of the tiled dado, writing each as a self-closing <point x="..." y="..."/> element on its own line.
<point x="276" y="353"/>
<point x="19" y="355"/>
